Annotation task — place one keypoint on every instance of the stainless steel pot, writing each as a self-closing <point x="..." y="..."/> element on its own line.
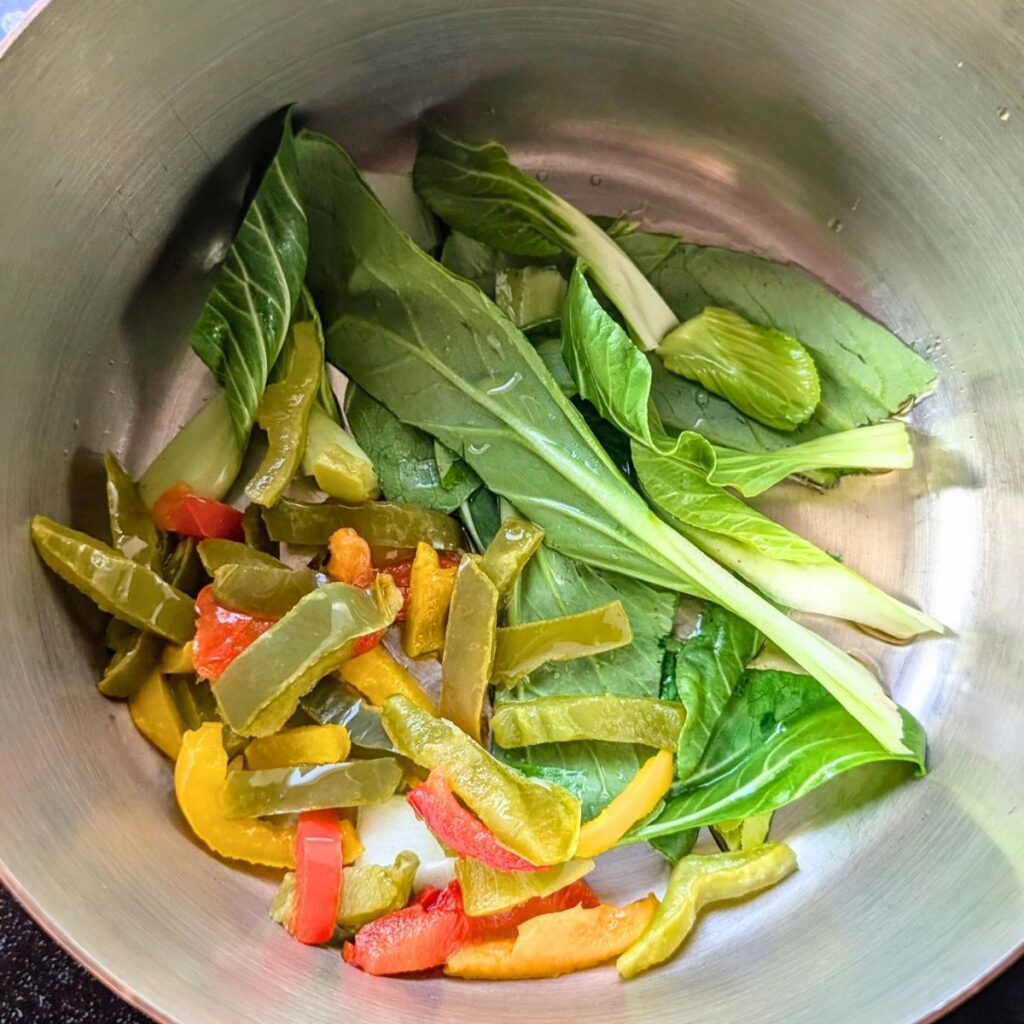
<point x="879" y="143"/>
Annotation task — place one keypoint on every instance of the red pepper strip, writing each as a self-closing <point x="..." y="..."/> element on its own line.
<point x="459" y="829"/>
<point x="318" y="878"/>
<point x="180" y="511"/>
<point x="366" y="643"/>
<point x="222" y="634"/>
<point x="414" y="939"/>
<point x="401" y="573"/>
<point x="505" y="924"/>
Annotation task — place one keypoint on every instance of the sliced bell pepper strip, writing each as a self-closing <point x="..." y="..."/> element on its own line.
<point x="469" y="644"/>
<point x="695" y="882"/>
<point x="378" y="676"/>
<point x="216" y="553"/>
<point x="521" y="649"/>
<point x="534" y="819"/>
<point x="505" y="924"/>
<point x="318" y="877"/>
<point x="349" y="560"/>
<point x="457" y="828"/>
<point x="222" y="634"/>
<point x="132" y="529"/>
<point x="486" y="891"/>
<point x="178" y="510"/>
<point x="130" y="591"/>
<point x="156" y="715"/>
<point x="636" y="801"/>
<point x="261" y="590"/>
<point x="417" y="938"/>
<point x="334" y="459"/>
<point x="400" y="570"/>
<point x="176" y="659"/>
<point x="305" y="744"/>
<point x="199" y="776"/>
<point x="255" y="531"/>
<point x="182" y="566"/>
<point x="332" y="701"/>
<point x="383" y="524"/>
<point x="507" y="554"/>
<point x="430" y="594"/>
<point x="250" y="794"/>
<point x="554" y="944"/>
<point x="260" y="690"/>
<point x="741" y="833"/>
<point x="643" y="720"/>
<point x="284" y="414"/>
<point x="131" y="665"/>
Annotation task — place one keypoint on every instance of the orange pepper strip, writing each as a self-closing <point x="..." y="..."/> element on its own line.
<point x="350" y="560"/>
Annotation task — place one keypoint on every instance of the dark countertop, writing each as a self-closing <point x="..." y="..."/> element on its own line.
<point x="40" y="984"/>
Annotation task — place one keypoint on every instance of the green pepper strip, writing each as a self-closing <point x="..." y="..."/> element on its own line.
<point x="742" y="833"/>
<point x="216" y="553"/>
<point x="469" y="647"/>
<point x="260" y="689"/>
<point x="132" y="529"/>
<point x="183" y="568"/>
<point x="487" y="891"/>
<point x="255" y="530"/>
<point x="643" y="720"/>
<point x="116" y="584"/>
<point x="370" y="891"/>
<point x="334" y="702"/>
<point x="284" y="415"/>
<point x="311" y="787"/>
<point x="196" y="705"/>
<point x="695" y="882"/>
<point x="262" y="589"/>
<point x="130" y="665"/>
<point x="381" y="524"/>
<point x="509" y="551"/>
<point x="522" y="649"/>
<point x="539" y="821"/>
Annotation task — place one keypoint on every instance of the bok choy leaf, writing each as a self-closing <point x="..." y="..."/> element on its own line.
<point x="246" y="317"/>
<point x="436" y="351"/>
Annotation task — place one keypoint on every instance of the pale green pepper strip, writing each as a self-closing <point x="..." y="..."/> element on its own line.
<point x="469" y="647"/>
<point x="125" y="589"/>
<point x="334" y="459"/>
<point x="262" y="589"/>
<point x="695" y="882"/>
<point x="310" y="787"/>
<point x="132" y="529"/>
<point x="334" y="702"/>
<point x="369" y="891"/>
<point x="539" y="821"/>
<point x="643" y="720"/>
<point x="216" y="553"/>
<point x="130" y="665"/>
<point x="284" y="415"/>
<point x="742" y="833"/>
<point x="509" y="551"/>
<point x="487" y="891"/>
<point x="260" y="690"/>
<point x="382" y="524"/>
<point x="522" y="649"/>
<point x="196" y="705"/>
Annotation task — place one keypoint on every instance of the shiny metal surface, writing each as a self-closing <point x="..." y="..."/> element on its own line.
<point x="879" y="143"/>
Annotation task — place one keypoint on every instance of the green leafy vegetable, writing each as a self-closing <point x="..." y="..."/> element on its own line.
<point x="765" y="373"/>
<point x="205" y="454"/>
<point x="433" y="349"/>
<point x="779" y="737"/>
<point x="405" y="457"/>
<point x="866" y="372"/>
<point x="703" y="671"/>
<point x="531" y="296"/>
<point x="243" y="325"/>
<point x="876" y="447"/>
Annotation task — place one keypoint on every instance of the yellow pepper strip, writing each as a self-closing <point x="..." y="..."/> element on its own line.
<point x="696" y="882"/>
<point x="554" y="944"/>
<point x="351" y="847"/>
<point x="156" y="715"/>
<point x="176" y="660"/>
<point x="636" y="801"/>
<point x="199" y="777"/>
<point x="377" y="676"/>
<point x="430" y="594"/>
<point x="306" y="744"/>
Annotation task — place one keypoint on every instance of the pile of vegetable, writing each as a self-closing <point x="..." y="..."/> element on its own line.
<point x="507" y="610"/>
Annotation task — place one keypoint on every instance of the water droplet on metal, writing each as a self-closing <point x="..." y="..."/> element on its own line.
<point x="74" y="425"/>
<point x="595" y="179"/>
<point x="1004" y="114"/>
<point x="856" y="203"/>
<point x="959" y="63"/>
<point x="542" y="175"/>
<point x="835" y="224"/>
